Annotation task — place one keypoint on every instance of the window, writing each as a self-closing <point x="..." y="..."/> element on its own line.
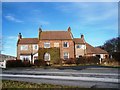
<point x="24" y="47"/>
<point x="46" y="45"/>
<point x="35" y="47"/>
<point x="65" y="44"/>
<point x="78" y="46"/>
<point x="47" y="57"/>
<point x="66" y="55"/>
<point x="56" y="44"/>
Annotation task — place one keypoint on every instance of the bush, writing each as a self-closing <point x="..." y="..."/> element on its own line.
<point x="26" y="63"/>
<point x="39" y="63"/>
<point x="87" y="60"/>
<point x="116" y="56"/>
<point x="110" y="62"/>
<point x="18" y="63"/>
<point x="70" y="61"/>
<point x="14" y="63"/>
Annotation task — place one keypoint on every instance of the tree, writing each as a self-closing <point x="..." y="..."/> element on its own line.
<point x="112" y="45"/>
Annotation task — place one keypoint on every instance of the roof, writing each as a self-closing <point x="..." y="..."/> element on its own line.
<point x="28" y="41"/>
<point x="78" y="40"/>
<point x="93" y="50"/>
<point x="99" y="50"/>
<point x="55" y="35"/>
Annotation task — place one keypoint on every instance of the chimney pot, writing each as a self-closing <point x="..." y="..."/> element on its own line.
<point x="69" y="29"/>
<point x="19" y="36"/>
<point x="82" y="36"/>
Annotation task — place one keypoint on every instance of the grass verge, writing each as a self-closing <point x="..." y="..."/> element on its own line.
<point x="21" y="84"/>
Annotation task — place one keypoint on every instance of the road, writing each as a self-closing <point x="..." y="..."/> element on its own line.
<point x="88" y="77"/>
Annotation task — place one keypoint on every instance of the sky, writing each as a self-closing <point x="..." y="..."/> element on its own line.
<point x="97" y="21"/>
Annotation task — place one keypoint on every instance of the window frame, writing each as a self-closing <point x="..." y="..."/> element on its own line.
<point x="57" y="44"/>
<point x="66" y="55"/>
<point x="35" y="47"/>
<point x="80" y="46"/>
<point x="22" y="47"/>
<point x="46" y="43"/>
<point x="66" y="44"/>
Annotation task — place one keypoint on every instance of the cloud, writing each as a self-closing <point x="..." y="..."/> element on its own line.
<point x="12" y="37"/>
<point x="12" y="18"/>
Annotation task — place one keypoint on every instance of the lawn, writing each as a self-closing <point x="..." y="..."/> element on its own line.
<point x="20" y="84"/>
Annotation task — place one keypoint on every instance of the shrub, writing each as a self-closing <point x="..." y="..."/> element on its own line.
<point x="14" y="63"/>
<point x="39" y="62"/>
<point x="26" y="63"/>
<point x="110" y="62"/>
<point x="18" y="63"/>
<point x="87" y="60"/>
<point x="70" y="61"/>
<point x="116" y="56"/>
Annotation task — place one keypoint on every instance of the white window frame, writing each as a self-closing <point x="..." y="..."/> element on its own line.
<point x="24" y="47"/>
<point x="67" y="44"/>
<point x="65" y="55"/>
<point x="34" y="47"/>
<point x="46" y="43"/>
<point x="80" y="46"/>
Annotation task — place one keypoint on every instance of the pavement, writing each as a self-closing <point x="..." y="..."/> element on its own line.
<point x="88" y="77"/>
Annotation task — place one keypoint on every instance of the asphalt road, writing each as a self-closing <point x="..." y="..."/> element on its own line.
<point x="84" y="76"/>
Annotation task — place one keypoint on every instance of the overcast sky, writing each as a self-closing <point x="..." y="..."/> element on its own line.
<point x="97" y="21"/>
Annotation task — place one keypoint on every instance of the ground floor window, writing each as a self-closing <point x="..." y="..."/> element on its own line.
<point x="47" y="57"/>
<point x="25" y="57"/>
<point x="66" y="55"/>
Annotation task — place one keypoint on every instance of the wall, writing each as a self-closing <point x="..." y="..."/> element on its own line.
<point x="80" y="51"/>
<point x="29" y="51"/>
<point x="69" y="49"/>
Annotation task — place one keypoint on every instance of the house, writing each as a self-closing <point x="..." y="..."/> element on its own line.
<point x="57" y="39"/>
<point x="68" y="46"/>
<point x="27" y="48"/>
<point x="6" y="57"/>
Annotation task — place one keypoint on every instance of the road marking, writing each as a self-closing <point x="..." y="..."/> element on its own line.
<point x="111" y="80"/>
<point x="78" y="73"/>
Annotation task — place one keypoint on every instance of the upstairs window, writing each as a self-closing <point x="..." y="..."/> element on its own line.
<point x="46" y="45"/>
<point x="66" y="55"/>
<point x="65" y="44"/>
<point x="56" y="44"/>
<point x="78" y="46"/>
<point x="35" y="47"/>
<point x="24" y="47"/>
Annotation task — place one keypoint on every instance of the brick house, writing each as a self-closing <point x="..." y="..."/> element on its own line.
<point x="27" y="48"/>
<point x="69" y="47"/>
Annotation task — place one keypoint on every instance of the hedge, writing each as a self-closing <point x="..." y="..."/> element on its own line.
<point x="17" y="63"/>
<point x="87" y="60"/>
<point x="54" y="54"/>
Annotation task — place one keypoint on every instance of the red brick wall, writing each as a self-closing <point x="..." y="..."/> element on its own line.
<point x="69" y="49"/>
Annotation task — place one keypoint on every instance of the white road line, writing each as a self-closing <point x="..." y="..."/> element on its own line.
<point x="80" y="73"/>
<point x="64" y="78"/>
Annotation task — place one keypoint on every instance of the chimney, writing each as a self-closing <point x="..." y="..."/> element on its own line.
<point x="69" y="29"/>
<point x="40" y="30"/>
<point x="82" y="36"/>
<point x="19" y="36"/>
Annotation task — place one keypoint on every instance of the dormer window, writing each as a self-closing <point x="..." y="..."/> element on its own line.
<point x="65" y="44"/>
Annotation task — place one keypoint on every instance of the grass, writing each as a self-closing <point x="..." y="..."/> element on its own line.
<point x="21" y="84"/>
